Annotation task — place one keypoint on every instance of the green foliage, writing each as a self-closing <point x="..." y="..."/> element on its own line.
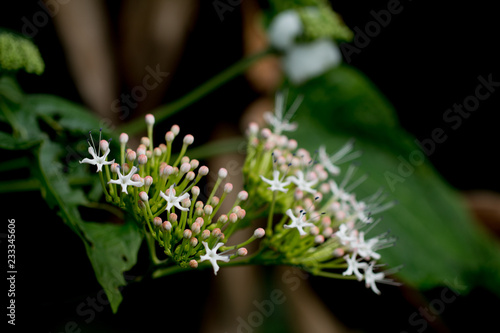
<point x="438" y="242"/>
<point x="53" y="132"/>
<point x="18" y="52"/>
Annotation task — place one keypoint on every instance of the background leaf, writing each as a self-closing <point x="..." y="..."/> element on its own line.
<point x="438" y="241"/>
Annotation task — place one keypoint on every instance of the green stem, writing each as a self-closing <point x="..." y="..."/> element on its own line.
<point x="269" y="229"/>
<point x="215" y="82"/>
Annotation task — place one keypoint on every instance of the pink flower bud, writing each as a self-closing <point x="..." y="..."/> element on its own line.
<point x="208" y="210"/>
<point x="141" y="149"/>
<point x="216" y="232"/>
<point x="114" y="167"/>
<point x="184" y="159"/>
<point x="125" y="169"/>
<point x="169" y="136"/>
<point x="194" y="164"/>
<point x="228" y="188"/>
<point x="136" y="178"/>
<point x="123" y="138"/>
<point x="242" y="252"/>
<point x="205" y="234"/>
<point x="292" y="144"/>
<point x="149" y="153"/>
<point x="196" y="228"/>
<point x="193" y="241"/>
<point x="188" y="139"/>
<point x="253" y="128"/>
<point x="186" y="203"/>
<point x="327" y="232"/>
<point x="148" y="180"/>
<point x="157" y="152"/>
<point x="131" y="156"/>
<point x="314" y="230"/>
<point x="338" y="252"/>
<point x="214" y="201"/>
<point x="298" y="195"/>
<point x="104" y="145"/>
<point x="193" y="264"/>
<point x="319" y="239"/>
<point x="203" y="171"/>
<point x="175" y="129"/>
<point x="222" y="219"/>
<point x="259" y="233"/>
<point x="222" y="173"/>
<point x="265" y="133"/>
<point x="243" y="195"/>
<point x="168" y="170"/>
<point x="150" y="119"/>
<point x="241" y="214"/>
<point x="187" y="234"/>
<point x="190" y="175"/>
<point x="157" y="221"/>
<point x="144" y="196"/>
<point x="145" y="141"/>
<point x="195" y="191"/>
<point x="163" y="147"/>
<point x="185" y="167"/>
<point x="172" y="217"/>
<point x="233" y="218"/>
<point x="167" y="226"/>
<point x="200" y="221"/>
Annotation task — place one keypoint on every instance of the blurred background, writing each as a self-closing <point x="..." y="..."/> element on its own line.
<point x="427" y="59"/>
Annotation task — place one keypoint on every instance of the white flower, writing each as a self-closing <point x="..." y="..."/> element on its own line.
<point x="307" y="60"/>
<point x="302" y="183"/>
<point x="371" y="278"/>
<point x="212" y="256"/>
<point x="276" y="184"/>
<point x="354" y="266"/>
<point x="360" y="210"/>
<point x="284" y="28"/>
<point x="172" y="200"/>
<point x="297" y="222"/>
<point x="280" y="119"/>
<point x="97" y="160"/>
<point x="366" y="249"/>
<point x="346" y="235"/>
<point x="345" y="154"/>
<point x="125" y="181"/>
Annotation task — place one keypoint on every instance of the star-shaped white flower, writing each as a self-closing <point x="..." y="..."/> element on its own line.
<point x="371" y="278"/>
<point x="276" y="183"/>
<point x="345" y="235"/>
<point x="172" y="200"/>
<point x="360" y="210"/>
<point x="280" y="120"/>
<point x="125" y="181"/>
<point x="367" y="248"/>
<point x="302" y="183"/>
<point x="344" y="154"/>
<point x="354" y="266"/>
<point x="298" y="222"/>
<point x="97" y="160"/>
<point x="212" y="256"/>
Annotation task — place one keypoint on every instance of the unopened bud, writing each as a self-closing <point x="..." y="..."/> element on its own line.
<point x="233" y="218"/>
<point x="157" y="152"/>
<point x="188" y="139"/>
<point x="194" y="164"/>
<point x="205" y="234"/>
<point x="222" y="219"/>
<point x="141" y="150"/>
<point x="193" y="241"/>
<point x="184" y="159"/>
<point x="149" y="153"/>
<point x="144" y="196"/>
<point x="241" y="214"/>
<point x="167" y="226"/>
<point x="338" y="252"/>
<point x="298" y="194"/>
<point x="157" y="221"/>
<point x="319" y="239"/>
<point x="115" y="167"/>
<point x="222" y="173"/>
<point x="292" y="144"/>
<point x="265" y="133"/>
<point x="208" y="210"/>
<point x="203" y="171"/>
<point x="190" y="176"/>
<point x="187" y="234"/>
<point x="328" y="232"/>
<point x="185" y="167"/>
<point x="228" y="188"/>
<point x="123" y="138"/>
<point x="196" y="228"/>
<point x="195" y="191"/>
<point x="172" y="217"/>
<point x="214" y="201"/>
<point x="163" y="147"/>
<point x="136" y="178"/>
<point x="314" y="230"/>
<point x="150" y="119"/>
<point x="175" y="129"/>
<point x="148" y="180"/>
<point x="259" y="233"/>
<point x="125" y="169"/>
<point x="216" y="232"/>
<point x="242" y="252"/>
<point x="186" y="203"/>
<point x="200" y="221"/>
<point x="169" y="136"/>
<point x="243" y="195"/>
<point x="131" y="156"/>
<point x="104" y="145"/>
<point x="253" y="128"/>
<point x="145" y="141"/>
<point x="193" y="264"/>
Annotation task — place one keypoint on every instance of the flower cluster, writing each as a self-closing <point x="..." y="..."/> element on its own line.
<point x="150" y="183"/>
<point x="315" y="221"/>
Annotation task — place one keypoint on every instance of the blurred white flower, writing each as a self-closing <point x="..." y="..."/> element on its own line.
<point x="307" y="60"/>
<point x="284" y="28"/>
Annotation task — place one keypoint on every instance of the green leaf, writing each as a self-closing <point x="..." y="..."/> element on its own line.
<point x="438" y="242"/>
<point x="7" y="141"/>
<point x="112" y="248"/>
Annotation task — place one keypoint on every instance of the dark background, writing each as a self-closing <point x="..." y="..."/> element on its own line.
<point x="424" y="61"/>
